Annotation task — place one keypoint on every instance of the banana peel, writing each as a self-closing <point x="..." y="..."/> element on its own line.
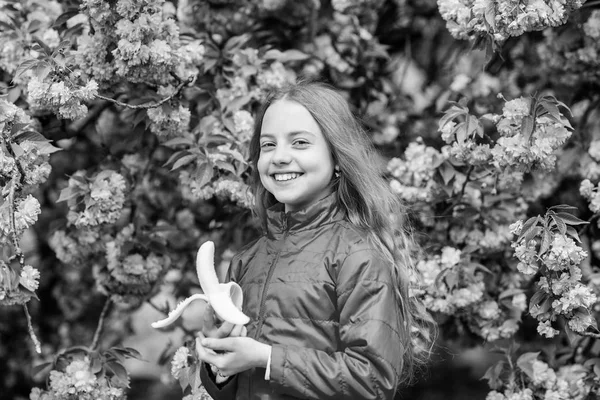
<point x="225" y="298"/>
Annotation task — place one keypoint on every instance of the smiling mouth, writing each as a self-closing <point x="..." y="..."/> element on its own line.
<point x="285" y="177"/>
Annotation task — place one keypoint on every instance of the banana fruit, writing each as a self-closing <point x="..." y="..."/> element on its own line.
<point x="225" y="298"/>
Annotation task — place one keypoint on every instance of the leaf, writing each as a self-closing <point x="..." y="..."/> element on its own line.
<point x="525" y="362"/>
<point x="532" y="233"/>
<point x="24" y="66"/>
<point x="490" y="15"/>
<point x="451" y="279"/>
<point x="47" y="50"/>
<point x="460" y="131"/>
<point x="14" y="94"/>
<point x="184" y="380"/>
<point x="545" y="245"/>
<point x="17" y="150"/>
<point x="528" y="226"/>
<point x="44" y="367"/>
<point x="183" y="161"/>
<point x="573" y="233"/>
<point x="447" y="172"/>
<point x="67" y="194"/>
<point x="449" y="115"/>
<point x="560" y="224"/>
<point x="492" y="375"/>
<point x="64" y="17"/>
<point x="288" y="55"/>
<point x="178" y="142"/>
<point x="237" y="103"/>
<point x="527" y="126"/>
<point x="509" y="293"/>
<point x="537" y="298"/>
<point x="119" y="373"/>
<point x="205" y="172"/>
<point x="225" y="166"/>
<point x="96" y="365"/>
<point x="236" y="42"/>
<point x="570" y="219"/>
<point x="34" y="25"/>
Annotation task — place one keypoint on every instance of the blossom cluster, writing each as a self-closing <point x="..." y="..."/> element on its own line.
<point x="16" y="47"/>
<point x="97" y="200"/>
<point x="167" y="122"/>
<point x="590" y="165"/>
<point x="224" y="187"/>
<point x="575" y="57"/>
<point x="146" y="42"/>
<point x="25" y="214"/>
<point x="60" y="97"/>
<point x="80" y="382"/>
<point x="505" y="18"/>
<point x="184" y="364"/>
<point x="130" y="273"/>
<point x="491" y="237"/>
<point x="442" y="297"/>
<point x="516" y="150"/>
<point x="549" y="384"/>
<point x="74" y="247"/>
<point x="413" y="176"/>
<point x="17" y="288"/>
<point x="561" y="292"/>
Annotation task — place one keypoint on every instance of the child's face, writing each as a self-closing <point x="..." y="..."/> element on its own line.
<point x="295" y="164"/>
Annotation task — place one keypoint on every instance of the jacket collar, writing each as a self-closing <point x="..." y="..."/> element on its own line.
<point x="320" y="212"/>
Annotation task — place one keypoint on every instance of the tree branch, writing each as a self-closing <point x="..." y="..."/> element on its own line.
<point x="154" y="105"/>
<point x="100" y="326"/>
<point x="32" y="335"/>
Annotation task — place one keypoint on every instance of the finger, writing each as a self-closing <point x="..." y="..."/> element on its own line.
<point x="204" y="353"/>
<point x="225" y="344"/>
<point x="244" y="332"/>
<point x="225" y="330"/>
<point x="237" y="331"/>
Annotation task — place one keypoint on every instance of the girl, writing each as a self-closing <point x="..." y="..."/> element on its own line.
<point x="326" y="286"/>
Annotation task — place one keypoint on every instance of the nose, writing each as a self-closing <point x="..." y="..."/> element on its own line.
<point x="281" y="155"/>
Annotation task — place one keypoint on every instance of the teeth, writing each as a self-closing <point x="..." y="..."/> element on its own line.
<point x="286" y="177"/>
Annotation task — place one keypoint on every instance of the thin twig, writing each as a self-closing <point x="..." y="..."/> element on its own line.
<point x="12" y="218"/>
<point x="154" y="105"/>
<point x="32" y="335"/>
<point x="591" y="334"/>
<point x="462" y="191"/>
<point x="100" y="324"/>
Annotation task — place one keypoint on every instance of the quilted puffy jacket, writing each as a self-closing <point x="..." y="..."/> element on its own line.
<point x="323" y="297"/>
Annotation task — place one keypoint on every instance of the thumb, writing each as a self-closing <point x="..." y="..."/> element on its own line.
<point x="225" y="344"/>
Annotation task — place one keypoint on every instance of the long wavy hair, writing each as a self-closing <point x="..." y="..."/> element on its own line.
<point x="366" y="198"/>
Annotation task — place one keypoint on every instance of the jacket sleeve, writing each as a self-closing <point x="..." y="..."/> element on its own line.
<point x="369" y="362"/>
<point x="225" y="391"/>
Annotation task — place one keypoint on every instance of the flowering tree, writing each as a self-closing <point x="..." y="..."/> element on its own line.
<point x="124" y="145"/>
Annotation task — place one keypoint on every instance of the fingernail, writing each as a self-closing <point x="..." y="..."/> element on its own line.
<point x="204" y="342"/>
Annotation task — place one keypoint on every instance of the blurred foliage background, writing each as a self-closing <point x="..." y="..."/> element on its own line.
<point x="125" y="128"/>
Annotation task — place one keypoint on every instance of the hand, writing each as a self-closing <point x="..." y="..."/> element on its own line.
<point x="214" y="327"/>
<point x="232" y="355"/>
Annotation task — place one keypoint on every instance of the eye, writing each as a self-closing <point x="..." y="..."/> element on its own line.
<point x="301" y="143"/>
<point x="267" y="145"/>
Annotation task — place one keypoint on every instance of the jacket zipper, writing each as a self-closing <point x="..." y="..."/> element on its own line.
<point x="263" y="297"/>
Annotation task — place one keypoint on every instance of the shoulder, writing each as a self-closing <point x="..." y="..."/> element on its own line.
<point x="249" y="250"/>
<point x="358" y="255"/>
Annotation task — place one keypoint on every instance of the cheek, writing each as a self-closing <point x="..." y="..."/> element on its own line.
<point x="262" y="166"/>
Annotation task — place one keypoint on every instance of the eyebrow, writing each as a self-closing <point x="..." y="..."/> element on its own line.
<point x="293" y="133"/>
